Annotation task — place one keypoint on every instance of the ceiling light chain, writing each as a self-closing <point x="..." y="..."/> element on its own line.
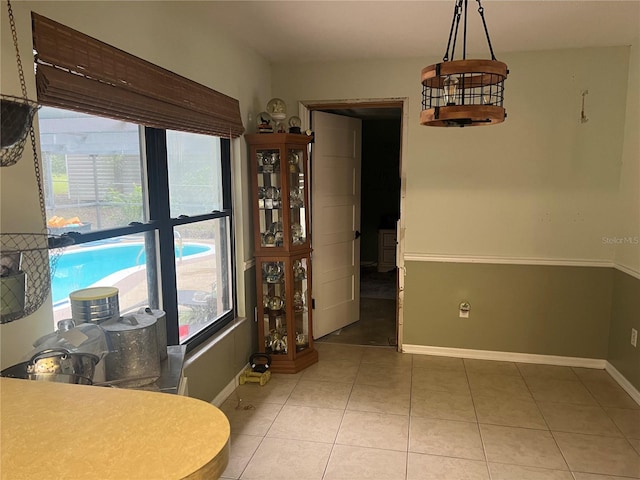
<point x="486" y="30"/>
<point x="457" y="11"/>
<point x="463" y="92"/>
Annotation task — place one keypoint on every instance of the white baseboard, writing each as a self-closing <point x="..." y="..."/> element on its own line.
<point x="528" y="358"/>
<point x="506" y="356"/>
<point x="623" y="382"/>
<point x="228" y="389"/>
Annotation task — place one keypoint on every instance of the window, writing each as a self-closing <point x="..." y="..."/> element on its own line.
<point x="137" y="169"/>
<point x="150" y="212"/>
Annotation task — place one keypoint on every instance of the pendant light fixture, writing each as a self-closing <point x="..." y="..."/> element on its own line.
<point x="461" y="93"/>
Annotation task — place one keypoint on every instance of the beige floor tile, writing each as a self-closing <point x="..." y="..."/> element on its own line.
<point x="628" y="421"/>
<point x="277" y="390"/>
<point x="440" y="380"/>
<point x="546" y="371"/>
<point x="559" y="391"/>
<point x="521" y="446"/>
<point x="288" y="459"/>
<point x="320" y="394"/>
<point x="592" y="476"/>
<point x="250" y="421"/>
<point x="438" y="363"/>
<point x="306" y="423"/>
<point x="635" y="443"/>
<point x="443" y="405"/>
<point x="343" y="371"/>
<point x="592" y="374"/>
<point x="432" y="467"/>
<point x="499" y="386"/>
<point x="445" y="437"/>
<point x="375" y="430"/>
<point x="491" y="367"/>
<point x="287" y="376"/>
<point x="562" y="417"/>
<point x="610" y="394"/>
<point x="508" y="411"/>
<point x="386" y="356"/>
<point x="332" y="352"/>
<point x="358" y="463"/>
<point x="369" y="398"/>
<point x="242" y="447"/>
<point x="384" y="376"/>
<point x="501" y="471"/>
<point x="596" y="454"/>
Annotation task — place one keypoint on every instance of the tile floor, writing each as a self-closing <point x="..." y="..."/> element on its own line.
<point x="372" y="413"/>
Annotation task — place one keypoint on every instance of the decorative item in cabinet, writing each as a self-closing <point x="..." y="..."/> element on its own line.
<point x="278" y="163"/>
<point x="284" y="315"/>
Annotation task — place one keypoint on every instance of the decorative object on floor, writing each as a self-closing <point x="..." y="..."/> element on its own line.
<point x="16" y="113"/>
<point x="259" y="371"/>
<point x="460" y="93"/>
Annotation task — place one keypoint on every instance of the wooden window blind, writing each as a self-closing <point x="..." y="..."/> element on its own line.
<point x="78" y="72"/>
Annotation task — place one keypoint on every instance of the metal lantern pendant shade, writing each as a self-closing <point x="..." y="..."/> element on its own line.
<point x="460" y="93"/>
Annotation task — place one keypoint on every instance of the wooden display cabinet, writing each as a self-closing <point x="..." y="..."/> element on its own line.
<point x="282" y="249"/>
<point x="284" y="311"/>
<point x="279" y="185"/>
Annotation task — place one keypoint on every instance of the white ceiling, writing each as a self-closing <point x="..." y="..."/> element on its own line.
<point x="311" y="30"/>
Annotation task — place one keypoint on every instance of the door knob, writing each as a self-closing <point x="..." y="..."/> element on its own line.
<point x="357" y="235"/>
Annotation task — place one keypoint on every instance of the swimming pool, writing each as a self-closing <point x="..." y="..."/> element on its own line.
<point x="86" y="266"/>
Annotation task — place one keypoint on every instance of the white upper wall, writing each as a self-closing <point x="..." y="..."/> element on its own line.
<point x="542" y="185"/>
<point x="164" y="33"/>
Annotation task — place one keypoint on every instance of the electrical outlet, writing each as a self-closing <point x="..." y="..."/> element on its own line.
<point x="634" y="337"/>
<point x="463" y="311"/>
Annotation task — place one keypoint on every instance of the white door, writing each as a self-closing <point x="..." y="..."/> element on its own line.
<point x="335" y="219"/>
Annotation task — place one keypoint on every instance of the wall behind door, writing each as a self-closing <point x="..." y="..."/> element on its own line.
<point x="380" y="182"/>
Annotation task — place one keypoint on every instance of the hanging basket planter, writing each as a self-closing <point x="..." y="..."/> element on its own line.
<point x="27" y="263"/>
<point x="12" y="296"/>
<point x="16" y="120"/>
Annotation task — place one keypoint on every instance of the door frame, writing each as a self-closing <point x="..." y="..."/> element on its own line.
<point x="306" y="106"/>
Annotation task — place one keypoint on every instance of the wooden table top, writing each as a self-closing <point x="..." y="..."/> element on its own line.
<point x="56" y="430"/>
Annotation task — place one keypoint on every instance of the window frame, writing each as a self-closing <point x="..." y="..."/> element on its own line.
<point x="162" y="281"/>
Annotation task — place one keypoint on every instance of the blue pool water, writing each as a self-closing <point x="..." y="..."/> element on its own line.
<point x="82" y="268"/>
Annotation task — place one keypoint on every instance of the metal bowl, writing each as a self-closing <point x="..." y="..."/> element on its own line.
<point x="57" y="365"/>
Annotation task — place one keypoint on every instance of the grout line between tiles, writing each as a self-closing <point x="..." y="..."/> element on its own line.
<point x="344" y="411"/>
<point x="475" y="412"/>
<point x="406" y="461"/>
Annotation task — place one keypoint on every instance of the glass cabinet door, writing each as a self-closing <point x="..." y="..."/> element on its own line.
<point x="274" y="308"/>
<point x="297" y="196"/>
<point x="301" y="302"/>
<point x="270" y="198"/>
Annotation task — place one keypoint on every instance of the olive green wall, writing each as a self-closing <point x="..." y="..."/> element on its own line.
<point x="538" y="309"/>
<point x="624" y="317"/>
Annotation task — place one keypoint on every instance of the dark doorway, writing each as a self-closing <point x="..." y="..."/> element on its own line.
<point x="380" y="211"/>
